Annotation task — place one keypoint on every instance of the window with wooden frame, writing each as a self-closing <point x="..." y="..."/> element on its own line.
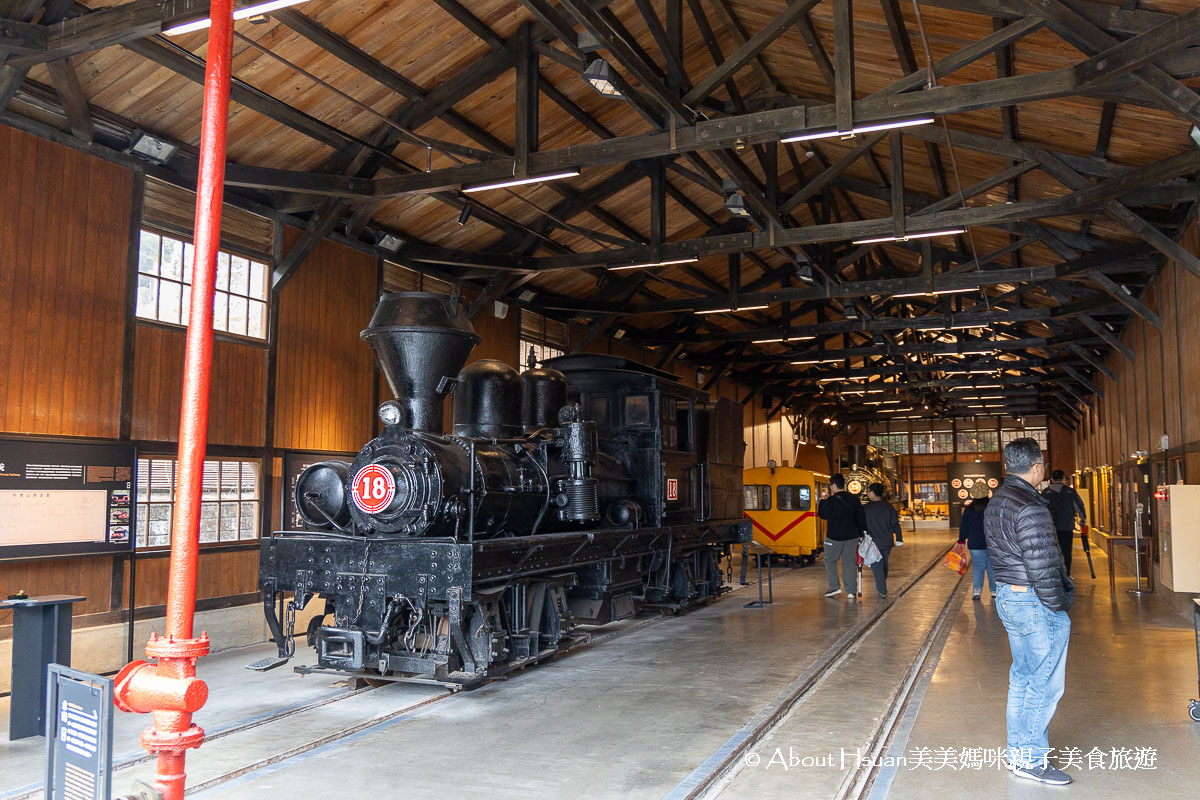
<point x="541" y="339"/>
<point x="165" y="286"/>
<point x="229" y="501"/>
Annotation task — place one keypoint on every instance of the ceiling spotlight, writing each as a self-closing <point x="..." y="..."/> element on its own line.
<point x="389" y="242"/>
<point x="526" y="295"/>
<point x="736" y="204"/>
<point x="804" y="274"/>
<point x="826" y="420"/>
<point x="151" y="148"/>
<point x="850" y="312"/>
<point x="465" y="214"/>
<point x="601" y="77"/>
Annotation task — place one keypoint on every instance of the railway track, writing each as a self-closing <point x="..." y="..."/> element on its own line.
<point x="713" y="775"/>
<point x="706" y="781"/>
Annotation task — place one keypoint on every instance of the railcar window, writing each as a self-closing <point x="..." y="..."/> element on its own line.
<point x="756" y="497"/>
<point x="637" y="410"/>
<point x="793" y="498"/>
<point x="668" y="423"/>
<point x="683" y="423"/>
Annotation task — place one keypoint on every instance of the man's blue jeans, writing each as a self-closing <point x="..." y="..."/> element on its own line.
<point x="1038" y="639"/>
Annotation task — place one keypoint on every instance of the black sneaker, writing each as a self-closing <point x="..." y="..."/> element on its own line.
<point x="975" y="596"/>
<point x="833" y="592"/>
<point x="1043" y="773"/>
<point x="883" y="596"/>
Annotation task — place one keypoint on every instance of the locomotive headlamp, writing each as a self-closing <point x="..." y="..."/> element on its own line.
<point x="390" y="413"/>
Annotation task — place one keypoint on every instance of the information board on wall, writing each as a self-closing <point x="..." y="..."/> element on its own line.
<point x="65" y="498"/>
<point x="971" y="480"/>
<point x="295" y="462"/>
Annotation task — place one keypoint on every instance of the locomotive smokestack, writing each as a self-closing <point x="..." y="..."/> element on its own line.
<point x="421" y="341"/>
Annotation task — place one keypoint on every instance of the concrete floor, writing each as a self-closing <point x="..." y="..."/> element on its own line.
<point x="644" y="714"/>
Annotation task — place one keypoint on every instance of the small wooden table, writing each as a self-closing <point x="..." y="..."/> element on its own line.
<point x="1127" y="541"/>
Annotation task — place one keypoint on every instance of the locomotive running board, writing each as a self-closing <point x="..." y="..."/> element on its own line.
<point x="269" y="663"/>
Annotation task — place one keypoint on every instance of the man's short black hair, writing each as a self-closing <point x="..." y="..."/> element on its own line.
<point x="838" y="479"/>
<point x="877" y="489"/>
<point x="1058" y="475"/>
<point x="1021" y="454"/>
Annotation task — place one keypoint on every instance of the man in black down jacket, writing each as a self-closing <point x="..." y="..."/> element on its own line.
<point x="845" y="524"/>
<point x="1034" y="595"/>
<point x="1065" y="503"/>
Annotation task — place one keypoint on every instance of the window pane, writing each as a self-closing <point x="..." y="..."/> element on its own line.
<point x="159" y="530"/>
<point x="750" y="498"/>
<point x="229" y="522"/>
<point x="142" y="515"/>
<point x="230" y="480"/>
<point x="172" y="259"/>
<point x="148" y="244"/>
<point x="220" y="311"/>
<point x="237" y="314"/>
<point x="209" y="513"/>
<point x="223" y="271"/>
<point x="249" y="480"/>
<point x="186" y="303"/>
<point x="189" y="256"/>
<point x="258" y="280"/>
<point x="147" y="297"/>
<point x="248" y="521"/>
<point x="169" y="297"/>
<point x="239" y="275"/>
<point x="256" y="325"/>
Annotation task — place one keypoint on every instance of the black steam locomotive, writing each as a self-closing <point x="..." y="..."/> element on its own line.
<point x="579" y="492"/>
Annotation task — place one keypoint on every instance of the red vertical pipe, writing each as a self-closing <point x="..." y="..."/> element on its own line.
<point x="170" y="687"/>
<point x="193" y="423"/>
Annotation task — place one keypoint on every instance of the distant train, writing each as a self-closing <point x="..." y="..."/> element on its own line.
<point x="781" y="502"/>
<point x="864" y="464"/>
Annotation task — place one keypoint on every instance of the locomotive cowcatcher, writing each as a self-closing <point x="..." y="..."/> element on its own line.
<point x="577" y="493"/>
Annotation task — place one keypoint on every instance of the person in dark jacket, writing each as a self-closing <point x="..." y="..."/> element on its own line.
<point x="970" y="533"/>
<point x="1065" y="503"/>
<point x="845" y="524"/>
<point x="883" y="523"/>
<point x="1033" y="595"/>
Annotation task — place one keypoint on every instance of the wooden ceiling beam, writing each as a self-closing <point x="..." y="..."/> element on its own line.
<point x="70" y="93"/>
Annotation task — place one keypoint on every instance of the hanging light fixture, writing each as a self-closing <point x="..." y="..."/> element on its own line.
<point x="736" y="204"/>
<point x="601" y="77"/>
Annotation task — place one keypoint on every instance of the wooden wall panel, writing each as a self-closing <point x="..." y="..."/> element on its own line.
<point x="325" y="373"/>
<point x="89" y="576"/>
<point x="225" y="573"/>
<point x="64" y="226"/>
<point x="237" y="393"/>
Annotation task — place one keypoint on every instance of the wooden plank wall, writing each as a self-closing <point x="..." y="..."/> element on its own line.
<point x="1156" y="393"/>
<point x="237" y="394"/>
<point x="62" y="289"/>
<point x="324" y="382"/>
<point x="62" y="297"/>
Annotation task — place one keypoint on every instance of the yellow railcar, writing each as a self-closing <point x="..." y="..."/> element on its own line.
<point x="782" y="504"/>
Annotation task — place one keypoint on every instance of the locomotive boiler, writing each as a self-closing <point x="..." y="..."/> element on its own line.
<point x="579" y="492"/>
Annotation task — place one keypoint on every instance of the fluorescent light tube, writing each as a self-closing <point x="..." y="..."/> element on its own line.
<point x="571" y="173"/>
<point x="242" y="13"/>
<point x="882" y="126"/>
<point x="929" y="235"/>
<point x="657" y="264"/>
<point x="732" y="310"/>
<point x="789" y="339"/>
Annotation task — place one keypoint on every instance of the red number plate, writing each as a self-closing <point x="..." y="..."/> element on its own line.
<point x="373" y="488"/>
